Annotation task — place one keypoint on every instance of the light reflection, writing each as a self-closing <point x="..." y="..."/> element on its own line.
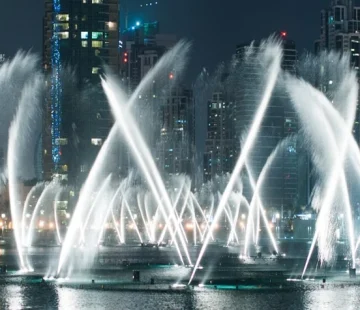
<point x="332" y="298"/>
<point x="14" y="297"/>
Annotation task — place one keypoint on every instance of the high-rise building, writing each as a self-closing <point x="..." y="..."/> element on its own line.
<point x="340" y="26"/>
<point x="175" y="147"/>
<point x="340" y="31"/>
<point x="281" y="187"/>
<point x="84" y="35"/>
<point x="220" y="150"/>
<point x="143" y="45"/>
<point x="164" y="112"/>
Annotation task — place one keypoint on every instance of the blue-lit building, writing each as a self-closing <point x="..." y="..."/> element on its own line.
<point x="80" y="37"/>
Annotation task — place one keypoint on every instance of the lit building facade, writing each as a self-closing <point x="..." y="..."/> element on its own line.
<point x="164" y="111"/>
<point x="220" y="148"/>
<point x="281" y="188"/>
<point x="175" y="147"/>
<point x="82" y="35"/>
<point x="340" y="31"/>
<point x="143" y="45"/>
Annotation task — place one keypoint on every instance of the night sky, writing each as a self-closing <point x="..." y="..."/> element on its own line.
<point x="214" y="27"/>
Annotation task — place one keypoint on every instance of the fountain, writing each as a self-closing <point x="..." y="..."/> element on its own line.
<point x="218" y="215"/>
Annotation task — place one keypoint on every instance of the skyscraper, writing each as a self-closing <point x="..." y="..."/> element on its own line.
<point x="340" y="26"/>
<point x="340" y="31"/>
<point x="220" y="150"/>
<point x="84" y="35"/>
<point x="139" y="40"/>
<point x="279" y="122"/>
<point x="143" y="45"/>
<point x="164" y="111"/>
<point x="175" y="148"/>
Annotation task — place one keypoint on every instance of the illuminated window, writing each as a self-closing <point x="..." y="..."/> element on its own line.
<point x="84" y="35"/>
<point x="61" y="141"/>
<point x="63" y="35"/>
<point x="97" y="35"/>
<point x="95" y="70"/>
<point x="97" y="1"/>
<point x="110" y="25"/>
<point x="62" y="17"/>
<point x="84" y="43"/>
<point x="61" y="26"/>
<point x="96" y="141"/>
<point x="83" y="168"/>
<point x="64" y="168"/>
<point x="97" y="43"/>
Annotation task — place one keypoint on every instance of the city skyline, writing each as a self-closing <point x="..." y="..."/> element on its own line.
<point x="194" y="142"/>
<point x="153" y="45"/>
<point x="200" y="26"/>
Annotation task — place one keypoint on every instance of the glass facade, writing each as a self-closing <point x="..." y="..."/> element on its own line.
<point x="280" y="190"/>
<point x="340" y="26"/>
<point x="175" y="147"/>
<point x="83" y="35"/>
<point x="219" y="156"/>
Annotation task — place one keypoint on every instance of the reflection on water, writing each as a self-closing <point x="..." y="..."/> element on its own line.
<point x="47" y="296"/>
<point x="74" y="299"/>
<point x="334" y="299"/>
<point x="14" y="296"/>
